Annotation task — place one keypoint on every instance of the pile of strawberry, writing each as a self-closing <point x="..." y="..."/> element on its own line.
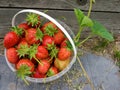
<point x="37" y="49"/>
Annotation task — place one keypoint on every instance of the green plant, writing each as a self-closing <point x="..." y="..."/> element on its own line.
<point x="117" y="56"/>
<point x="96" y="29"/>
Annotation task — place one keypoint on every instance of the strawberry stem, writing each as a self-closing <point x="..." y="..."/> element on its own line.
<point x="38" y="60"/>
<point x="26" y="81"/>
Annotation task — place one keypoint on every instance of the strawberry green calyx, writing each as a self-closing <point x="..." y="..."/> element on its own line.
<point x="17" y="30"/>
<point x="33" y="51"/>
<point x="69" y="46"/>
<point x="24" y="71"/>
<point x="33" y="19"/>
<point x="39" y="34"/>
<point x="23" y="50"/>
<point x="50" y="30"/>
<point x="50" y="73"/>
<point x="53" y="51"/>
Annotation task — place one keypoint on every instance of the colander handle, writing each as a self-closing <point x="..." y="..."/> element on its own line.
<point x="52" y="20"/>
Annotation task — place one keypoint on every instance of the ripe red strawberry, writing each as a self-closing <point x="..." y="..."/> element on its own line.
<point x="47" y="40"/>
<point x="24" y="26"/>
<point x="52" y="71"/>
<point x="33" y="20"/>
<point x="64" y="53"/>
<point x="49" y="26"/>
<point x="33" y="36"/>
<point x="24" y="68"/>
<point x="11" y="39"/>
<point x="27" y="63"/>
<point x="12" y="56"/>
<point x="58" y="37"/>
<point x="22" y="42"/>
<point x="64" y="43"/>
<point x="42" y="52"/>
<point x="36" y="74"/>
<point x="43" y="67"/>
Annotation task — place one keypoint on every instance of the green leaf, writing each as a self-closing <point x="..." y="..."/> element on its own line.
<point x="86" y="21"/>
<point x="100" y="30"/>
<point x="79" y="15"/>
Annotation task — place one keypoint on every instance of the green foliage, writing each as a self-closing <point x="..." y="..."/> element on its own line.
<point x="96" y="28"/>
<point x="17" y="30"/>
<point x="33" y="19"/>
<point x="100" y="30"/>
<point x="50" y="73"/>
<point x="53" y="51"/>
<point x="86" y="22"/>
<point x="117" y="56"/>
<point x="23" y="71"/>
<point x="82" y="19"/>
<point x="50" y="30"/>
<point x="33" y="51"/>
<point x="23" y="50"/>
<point x="39" y="34"/>
<point x="69" y="46"/>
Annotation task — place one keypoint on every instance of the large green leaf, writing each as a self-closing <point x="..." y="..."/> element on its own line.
<point x="79" y="15"/>
<point x="82" y="19"/>
<point x="86" y="21"/>
<point x="100" y="30"/>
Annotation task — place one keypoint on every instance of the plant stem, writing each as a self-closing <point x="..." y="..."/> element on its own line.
<point x="77" y="37"/>
<point x="37" y="60"/>
<point x="84" y="40"/>
<point x="26" y="81"/>
<point x="90" y="8"/>
<point x="91" y="84"/>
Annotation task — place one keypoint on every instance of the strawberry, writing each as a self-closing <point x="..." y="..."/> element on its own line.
<point x="24" y="26"/>
<point x="64" y="53"/>
<point x="24" y="68"/>
<point x="33" y="36"/>
<point x="44" y="66"/>
<point x="47" y="40"/>
<point x="36" y="74"/>
<point x="49" y="28"/>
<point x="61" y="64"/>
<point x="52" y="71"/>
<point x="33" y="20"/>
<point x="23" y="48"/>
<point x="64" y="43"/>
<point x="42" y="52"/>
<point x="22" y="42"/>
<point x="12" y="56"/>
<point x="25" y="62"/>
<point x="12" y="37"/>
<point x="58" y="37"/>
<point x="53" y="50"/>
